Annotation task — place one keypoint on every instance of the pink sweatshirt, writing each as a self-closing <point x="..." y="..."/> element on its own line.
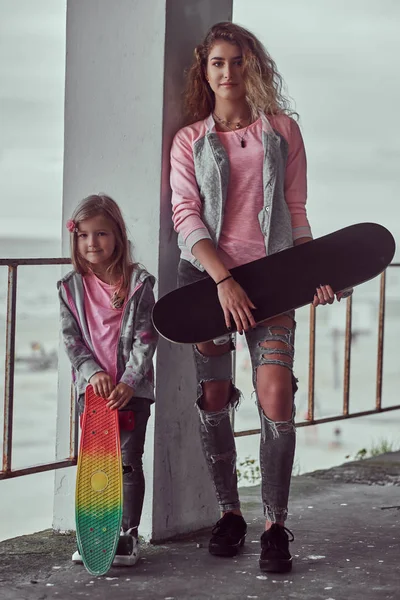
<point x="241" y="238"/>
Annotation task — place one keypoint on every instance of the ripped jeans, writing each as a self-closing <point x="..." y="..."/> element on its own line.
<point x="278" y="438"/>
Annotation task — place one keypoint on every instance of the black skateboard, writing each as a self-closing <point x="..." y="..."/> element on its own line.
<point x="278" y="283"/>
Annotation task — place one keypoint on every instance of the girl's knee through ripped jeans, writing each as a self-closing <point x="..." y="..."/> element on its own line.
<point x="268" y="344"/>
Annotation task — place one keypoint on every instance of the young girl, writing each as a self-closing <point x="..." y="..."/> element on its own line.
<point x="238" y="177"/>
<point x="106" y="304"/>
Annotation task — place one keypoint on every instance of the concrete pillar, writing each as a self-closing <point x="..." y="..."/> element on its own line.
<point x="124" y="74"/>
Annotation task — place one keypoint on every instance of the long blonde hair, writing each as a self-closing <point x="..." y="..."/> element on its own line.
<point x="262" y="80"/>
<point x="121" y="265"/>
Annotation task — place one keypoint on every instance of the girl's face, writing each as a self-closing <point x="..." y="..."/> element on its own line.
<point x="96" y="241"/>
<point x="225" y="71"/>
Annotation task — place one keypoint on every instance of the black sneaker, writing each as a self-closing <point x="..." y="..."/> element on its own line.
<point x="228" y="535"/>
<point x="275" y="556"/>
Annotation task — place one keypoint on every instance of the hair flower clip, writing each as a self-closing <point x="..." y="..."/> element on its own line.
<point x="70" y="225"/>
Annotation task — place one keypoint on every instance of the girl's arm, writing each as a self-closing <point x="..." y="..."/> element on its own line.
<point x="232" y="297"/>
<point x="78" y="353"/>
<point x="140" y="363"/>
<point x="186" y="209"/>
<point x="296" y="184"/>
<point x="186" y="202"/>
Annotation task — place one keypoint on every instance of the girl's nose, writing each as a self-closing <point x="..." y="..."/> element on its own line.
<point x="227" y="72"/>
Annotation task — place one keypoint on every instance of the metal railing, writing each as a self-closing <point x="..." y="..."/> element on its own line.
<point x="13" y="264"/>
<point x="345" y="414"/>
<point x="7" y="472"/>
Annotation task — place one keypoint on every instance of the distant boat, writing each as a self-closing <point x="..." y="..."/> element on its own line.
<point x="39" y="359"/>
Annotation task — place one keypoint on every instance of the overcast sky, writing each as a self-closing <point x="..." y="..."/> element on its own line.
<point x="340" y="60"/>
<point x="32" y="71"/>
<point x="338" y="57"/>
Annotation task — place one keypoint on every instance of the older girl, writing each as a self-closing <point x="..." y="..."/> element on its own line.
<point x="238" y="176"/>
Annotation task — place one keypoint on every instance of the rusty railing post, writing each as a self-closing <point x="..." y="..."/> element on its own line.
<point x="381" y="331"/>
<point x="311" y="366"/>
<point x="347" y="355"/>
<point x="9" y="367"/>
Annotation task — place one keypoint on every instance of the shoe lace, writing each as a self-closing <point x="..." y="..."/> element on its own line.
<point x="219" y="527"/>
<point x="222" y="527"/>
<point x="291" y="538"/>
<point x="273" y="536"/>
<point x="133" y="531"/>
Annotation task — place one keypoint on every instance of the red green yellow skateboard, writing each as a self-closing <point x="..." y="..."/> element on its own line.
<point x="98" y="507"/>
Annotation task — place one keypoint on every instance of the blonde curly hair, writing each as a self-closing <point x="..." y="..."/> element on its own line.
<point x="262" y="80"/>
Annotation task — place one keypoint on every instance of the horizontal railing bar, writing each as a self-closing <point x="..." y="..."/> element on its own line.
<point x="70" y="462"/>
<point x="364" y="413"/>
<point x="16" y="262"/>
<point x="4" y="262"/>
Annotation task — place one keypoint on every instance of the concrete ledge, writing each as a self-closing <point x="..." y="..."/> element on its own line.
<point x="379" y="470"/>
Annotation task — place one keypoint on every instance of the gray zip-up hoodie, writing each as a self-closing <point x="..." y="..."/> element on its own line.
<point x="137" y="339"/>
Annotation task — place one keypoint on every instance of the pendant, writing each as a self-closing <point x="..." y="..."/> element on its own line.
<point x="238" y="125"/>
<point x="116" y="301"/>
<point x="243" y="143"/>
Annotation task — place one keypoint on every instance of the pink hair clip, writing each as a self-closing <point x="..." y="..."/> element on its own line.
<point x="70" y="225"/>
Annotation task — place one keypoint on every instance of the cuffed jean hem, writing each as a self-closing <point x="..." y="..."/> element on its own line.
<point x="275" y="514"/>
<point x="229" y="507"/>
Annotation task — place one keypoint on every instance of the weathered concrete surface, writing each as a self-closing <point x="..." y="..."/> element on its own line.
<point x="346" y="547"/>
<point x="380" y="470"/>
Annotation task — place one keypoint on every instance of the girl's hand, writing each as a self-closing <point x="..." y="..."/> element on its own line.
<point x="120" y="396"/>
<point x="325" y="295"/>
<point x="102" y="384"/>
<point x="234" y="301"/>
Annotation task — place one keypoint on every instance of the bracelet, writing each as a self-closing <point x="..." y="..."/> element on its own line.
<point x="347" y="293"/>
<point x="225" y="278"/>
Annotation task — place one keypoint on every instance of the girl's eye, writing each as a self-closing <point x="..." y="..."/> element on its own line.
<point x="217" y="64"/>
<point x="101" y="233"/>
<point x="82" y="235"/>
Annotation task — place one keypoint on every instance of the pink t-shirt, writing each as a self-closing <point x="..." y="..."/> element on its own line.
<point x="241" y="238"/>
<point x="240" y="227"/>
<point x="103" y="322"/>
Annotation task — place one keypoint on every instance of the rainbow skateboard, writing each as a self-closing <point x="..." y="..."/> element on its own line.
<point x="98" y="505"/>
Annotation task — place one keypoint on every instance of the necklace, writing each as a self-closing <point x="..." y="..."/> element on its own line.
<point x="117" y="300"/>
<point x="238" y="125"/>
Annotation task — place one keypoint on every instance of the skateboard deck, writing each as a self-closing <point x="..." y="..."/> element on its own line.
<point x="283" y="281"/>
<point x="98" y="505"/>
